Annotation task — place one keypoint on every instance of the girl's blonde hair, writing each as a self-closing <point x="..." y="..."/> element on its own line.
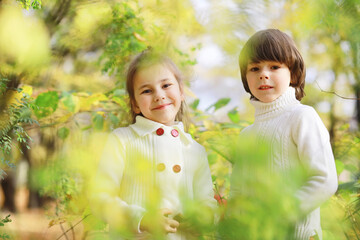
<point x="277" y="46"/>
<point x="146" y="59"/>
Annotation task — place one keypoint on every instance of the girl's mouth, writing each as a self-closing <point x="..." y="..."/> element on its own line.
<point x="162" y="106"/>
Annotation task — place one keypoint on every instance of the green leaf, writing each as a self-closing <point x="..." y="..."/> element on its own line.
<point x="195" y="104"/>
<point x="63" y="132"/>
<point x="119" y="92"/>
<point x="98" y="122"/>
<point x="212" y="158"/>
<point x="234" y="116"/>
<point x="36" y="4"/>
<point x="344" y="127"/>
<point x="339" y="166"/>
<point x="220" y="103"/>
<point x="114" y="119"/>
<point x="351" y="168"/>
<point x="46" y="103"/>
<point x="69" y="102"/>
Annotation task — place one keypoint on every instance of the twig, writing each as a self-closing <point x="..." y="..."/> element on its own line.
<point x="63" y="230"/>
<point x="39" y="126"/>
<point x="71" y="228"/>
<point x="333" y="92"/>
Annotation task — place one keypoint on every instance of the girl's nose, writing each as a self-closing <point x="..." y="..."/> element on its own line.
<point x="159" y="97"/>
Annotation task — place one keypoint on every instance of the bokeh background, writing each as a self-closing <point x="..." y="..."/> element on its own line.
<point x="62" y="68"/>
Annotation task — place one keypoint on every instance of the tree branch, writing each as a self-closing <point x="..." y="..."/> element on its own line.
<point x="72" y="227"/>
<point x="333" y="92"/>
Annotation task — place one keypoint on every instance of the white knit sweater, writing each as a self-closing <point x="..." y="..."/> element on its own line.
<point x="298" y="137"/>
<point x="128" y="177"/>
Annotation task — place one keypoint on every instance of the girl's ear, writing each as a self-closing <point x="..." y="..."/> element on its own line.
<point x="182" y="96"/>
<point x="135" y="107"/>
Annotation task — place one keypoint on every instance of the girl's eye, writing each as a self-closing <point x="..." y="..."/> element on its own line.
<point x="146" y="91"/>
<point x="275" y="67"/>
<point x="254" y="69"/>
<point x="166" y="85"/>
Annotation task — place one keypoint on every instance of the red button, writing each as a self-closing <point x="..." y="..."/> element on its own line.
<point x="176" y="168"/>
<point x="174" y="132"/>
<point x="160" y="131"/>
<point x="160" y="167"/>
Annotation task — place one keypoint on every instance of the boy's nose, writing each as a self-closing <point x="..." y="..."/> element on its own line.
<point x="264" y="75"/>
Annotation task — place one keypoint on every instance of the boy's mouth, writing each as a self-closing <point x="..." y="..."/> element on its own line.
<point x="265" y="87"/>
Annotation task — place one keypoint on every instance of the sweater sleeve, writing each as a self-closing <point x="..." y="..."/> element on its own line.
<point x="104" y="199"/>
<point x="316" y="156"/>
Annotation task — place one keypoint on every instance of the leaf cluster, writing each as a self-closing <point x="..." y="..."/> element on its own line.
<point x="27" y="4"/>
<point x="124" y="40"/>
<point x="16" y="113"/>
<point x="2" y="224"/>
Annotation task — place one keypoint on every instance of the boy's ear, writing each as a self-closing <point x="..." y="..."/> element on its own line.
<point x="292" y="82"/>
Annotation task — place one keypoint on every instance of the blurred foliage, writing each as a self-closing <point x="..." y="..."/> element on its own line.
<point x="2" y="224"/>
<point x="36" y="4"/>
<point x="62" y="85"/>
<point x="251" y="215"/>
<point x="126" y="38"/>
<point x="15" y="107"/>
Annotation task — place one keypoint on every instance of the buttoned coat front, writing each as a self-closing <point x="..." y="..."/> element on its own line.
<point x="140" y="164"/>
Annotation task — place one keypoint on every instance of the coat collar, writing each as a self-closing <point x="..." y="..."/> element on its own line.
<point x="144" y="126"/>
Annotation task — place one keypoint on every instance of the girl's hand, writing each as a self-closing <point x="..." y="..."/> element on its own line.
<point x="167" y="224"/>
<point x="170" y="225"/>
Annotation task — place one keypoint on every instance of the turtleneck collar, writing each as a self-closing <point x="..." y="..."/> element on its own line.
<point x="266" y="110"/>
<point x="144" y="126"/>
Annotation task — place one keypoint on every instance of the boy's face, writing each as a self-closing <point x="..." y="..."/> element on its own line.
<point x="268" y="80"/>
<point x="157" y="94"/>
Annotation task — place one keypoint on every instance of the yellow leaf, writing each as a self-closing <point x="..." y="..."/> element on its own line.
<point x="139" y="37"/>
<point x="208" y="124"/>
<point x="64" y="118"/>
<point x="27" y="89"/>
<point x="87" y="102"/>
<point x="14" y="97"/>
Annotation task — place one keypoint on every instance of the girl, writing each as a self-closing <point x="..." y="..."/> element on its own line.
<point x="152" y="167"/>
<point x="273" y="72"/>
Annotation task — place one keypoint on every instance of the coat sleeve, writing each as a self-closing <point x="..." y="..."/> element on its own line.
<point x="104" y="198"/>
<point x="202" y="183"/>
<point x="316" y="156"/>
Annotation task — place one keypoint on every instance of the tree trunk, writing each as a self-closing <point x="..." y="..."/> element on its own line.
<point x="357" y="94"/>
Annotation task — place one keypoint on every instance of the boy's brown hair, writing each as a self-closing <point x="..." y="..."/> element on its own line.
<point x="274" y="45"/>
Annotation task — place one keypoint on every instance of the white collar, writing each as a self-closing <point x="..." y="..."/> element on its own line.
<point x="144" y="126"/>
<point x="266" y="110"/>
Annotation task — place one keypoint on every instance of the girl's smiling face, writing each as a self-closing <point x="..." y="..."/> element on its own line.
<point x="268" y="80"/>
<point x="157" y="93"/>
